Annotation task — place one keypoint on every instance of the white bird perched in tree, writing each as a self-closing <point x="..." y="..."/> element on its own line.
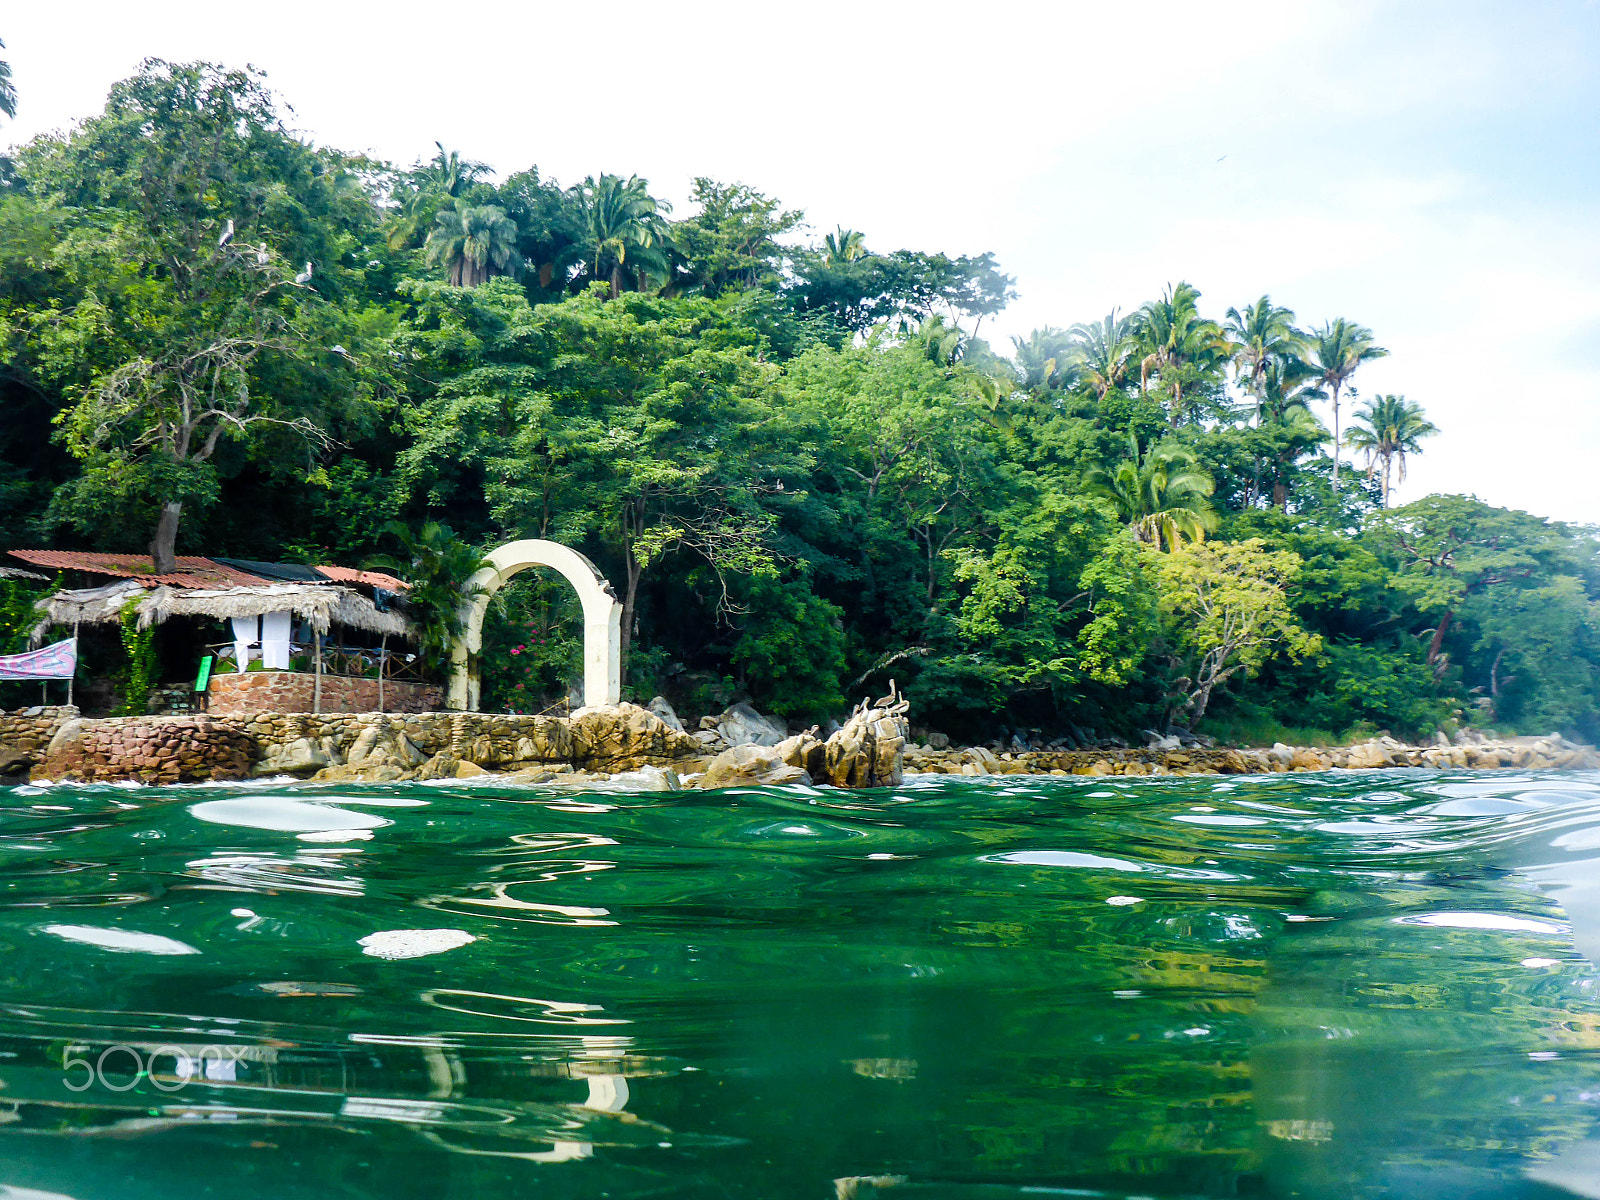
<point x="262" y="257"/>
<point x="227" y="234"/>
<point x="341" y="350"/>
<point x="305" y="275"/>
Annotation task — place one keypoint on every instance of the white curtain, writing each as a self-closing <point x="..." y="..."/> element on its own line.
<point x="275" y="641"/>
<point x="246" y="631"/>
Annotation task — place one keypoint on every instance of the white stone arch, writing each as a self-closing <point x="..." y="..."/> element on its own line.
<point x="602" y="620"/>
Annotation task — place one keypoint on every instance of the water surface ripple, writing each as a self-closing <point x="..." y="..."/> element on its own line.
<point x="1345" y="985"/>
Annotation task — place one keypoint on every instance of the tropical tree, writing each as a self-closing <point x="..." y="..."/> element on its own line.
<point x="1337" y="350"/>
<point x="428" y="186"/>
<point x="1262" y="332"/>
<point x="1163" y="495"/>
<point x="731" y="244"/>
<point x="628" y="231"/>
<point x="474" y="243"/>
<point x="1107" y="348"/>
<point x="165" y="356"/>
<point x="1177" y="344"/>
<point x="552" y="228"/>
<point x="8" y="90"/>
<point x="1386" y="430"/>
<point x="1286" y="429"/>
<point x="1449" y="550"/>
<point x="439" y="567"/>
<point x="1047" y="358"/>
<point x="1228" y="605"/>
<point x="843" y="246"/>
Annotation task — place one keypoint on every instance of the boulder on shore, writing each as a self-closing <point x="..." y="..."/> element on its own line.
<point x="869" y="751"/>
<point x="742" y="725"/>
<point x="750" y="764"/>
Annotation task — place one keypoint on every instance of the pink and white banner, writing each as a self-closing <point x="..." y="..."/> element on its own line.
<point x="59" y="661"/>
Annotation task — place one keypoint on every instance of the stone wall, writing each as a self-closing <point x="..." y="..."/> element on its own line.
<point x="30" y="729"/>
<point x="293" y="692"/>
<point x="25" y="733"/>
<point x="621" y="737"/>
<point x="149" y="749"/>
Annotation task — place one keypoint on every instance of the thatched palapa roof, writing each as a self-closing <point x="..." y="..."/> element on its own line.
<point x="321" y="605"/>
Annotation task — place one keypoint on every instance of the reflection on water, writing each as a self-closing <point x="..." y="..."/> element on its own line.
<point x="1331" y="986"/>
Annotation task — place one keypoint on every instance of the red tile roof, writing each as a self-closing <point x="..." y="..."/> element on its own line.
<point x="192" y="571"/>
<point x="370" y="578"/>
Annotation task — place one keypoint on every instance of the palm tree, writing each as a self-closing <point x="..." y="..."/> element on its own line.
<point x="843" y="246"/>
<point x="448" y="173"/>
<point x="1163" y="494"/>
<point x="8" y="91"/>
<point x="1106" y="349"/>
<point x="443" y="177"/>
<point x="1262" y="332"/>
<point x="1173" y="334"/>
<point x="1337" y="349"/>
<point x="439" y="567"/>
<point x="1286" y="429"/>
<point x="474" y="243"/>
<point x="1047" y="358"/>
<point x="627" y="230"/>
<point x="1386" y="430"/>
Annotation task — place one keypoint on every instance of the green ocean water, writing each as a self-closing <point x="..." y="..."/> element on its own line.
<point x="1343" y="985"/>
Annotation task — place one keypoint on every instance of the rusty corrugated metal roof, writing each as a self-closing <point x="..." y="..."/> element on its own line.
<point x="370" y="578"/>
<point x="192" y="571"/>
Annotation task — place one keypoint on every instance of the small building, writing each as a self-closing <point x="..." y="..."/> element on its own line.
<point x="254" y="636"/>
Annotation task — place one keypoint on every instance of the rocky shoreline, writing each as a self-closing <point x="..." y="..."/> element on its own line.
<point x="628" y="746"/>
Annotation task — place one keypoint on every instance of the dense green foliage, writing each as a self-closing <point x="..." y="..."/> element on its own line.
<point x="802" y="470"/>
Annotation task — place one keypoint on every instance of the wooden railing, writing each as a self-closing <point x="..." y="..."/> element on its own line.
<point x="357" y="662"/>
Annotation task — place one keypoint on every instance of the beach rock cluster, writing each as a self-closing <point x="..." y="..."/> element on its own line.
<point x="867" y="751"/>
<point x="628" y="746"/>
<point x="148" y="749"/>
<point x="1477" y="753"/>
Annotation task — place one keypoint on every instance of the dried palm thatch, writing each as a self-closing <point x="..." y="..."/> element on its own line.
<point x="85" y="606"/>
<point x="321" y="606"/>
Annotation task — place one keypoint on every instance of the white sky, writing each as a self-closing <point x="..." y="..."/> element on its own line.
<point x="1428" y="169"/>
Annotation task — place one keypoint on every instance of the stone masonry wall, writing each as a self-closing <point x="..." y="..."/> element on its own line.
<point x="149" y="749"/>
<point x="293" y="691"/>
<point x="29" y="730"/>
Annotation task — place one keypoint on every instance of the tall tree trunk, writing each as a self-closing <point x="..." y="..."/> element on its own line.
<point x="1438" y="637"/>
<point x="1210" y="669"/>
<point x="1280" y="495"/>
<point x="616" y="282"/>
<point x="1386" y="481"/>
<point x="163" y="548"/>
<point x="630" y="594"/>
<point x="632" y="520"/>
<point x="1336" y="438"/>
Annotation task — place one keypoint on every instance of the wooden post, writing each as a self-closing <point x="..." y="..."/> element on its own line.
<point x="71" y="679"/>
<point x="316" y="683"/>
<point x="383" y="658"/>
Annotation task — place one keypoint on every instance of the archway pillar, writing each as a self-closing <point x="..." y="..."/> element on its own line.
<point x="602" y="621"/>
